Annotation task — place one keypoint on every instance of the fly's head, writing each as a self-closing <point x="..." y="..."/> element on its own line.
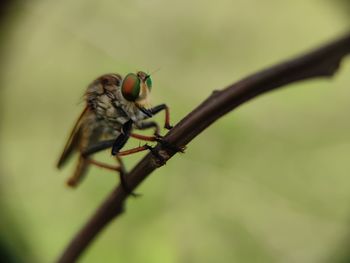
<point x="136" y="88"/>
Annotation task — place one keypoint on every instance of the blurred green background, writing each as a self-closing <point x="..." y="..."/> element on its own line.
<point x="269" y="182"/>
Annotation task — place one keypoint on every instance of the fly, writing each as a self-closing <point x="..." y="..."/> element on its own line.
<point x="115" y="106"/>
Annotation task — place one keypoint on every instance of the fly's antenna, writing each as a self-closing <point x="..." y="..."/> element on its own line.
<point x="154" y="71"/>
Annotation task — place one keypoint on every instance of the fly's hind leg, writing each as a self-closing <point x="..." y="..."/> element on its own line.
<point x="122" y="176"/>
<point x="81" y="169"/>
<point x="116" y="145"/>
<point x="120" y="168"/>
<point x="105" y="165"/>
<point x="79" y="173"/>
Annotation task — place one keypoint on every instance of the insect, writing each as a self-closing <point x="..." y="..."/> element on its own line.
<point x="115" y="106"/>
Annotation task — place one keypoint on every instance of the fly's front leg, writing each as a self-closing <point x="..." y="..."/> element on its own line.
<point x="159" y="108"/>
<point x="167" y="125"/>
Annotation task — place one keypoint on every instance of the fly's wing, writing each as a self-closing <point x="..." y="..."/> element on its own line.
<point x="87" y="135"/>
<point x="73" y="140"/>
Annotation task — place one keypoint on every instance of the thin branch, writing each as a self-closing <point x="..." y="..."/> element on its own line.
<point x="322" y="62"/>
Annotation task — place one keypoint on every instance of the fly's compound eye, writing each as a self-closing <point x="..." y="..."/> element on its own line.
<point x="149" y="82"/>
<point x="131" y="87"/>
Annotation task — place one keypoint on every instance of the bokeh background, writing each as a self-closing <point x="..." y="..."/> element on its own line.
<point x="269" y="182"/>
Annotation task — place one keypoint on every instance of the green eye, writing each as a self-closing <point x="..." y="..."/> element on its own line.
<point x="131" y="87"/>
<point x="149" y="82"/>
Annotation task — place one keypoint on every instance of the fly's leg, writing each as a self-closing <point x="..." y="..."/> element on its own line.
<point x="122" y="171"/>
<point x="85" y="160"/>
<point x="104" y="165"/>
<point x="120" y="168"/>
<point x="122" y="175"/>
<point x="152" y="138"/>
<point x="143" y="148"/>
<point x="149" y="125"/>
<point x="107" y="144"/>
<point x="133" y="150"/>
<point x="100" y="146"/>
<point x="116" y="145"/>
<point x="156" y="137"/>
<point x="121" y="140"/>
<point x="79" y="173"/>
<point x="155" y="153"/>
<point x="159" y="108"/>
<point x="83" y="163"/>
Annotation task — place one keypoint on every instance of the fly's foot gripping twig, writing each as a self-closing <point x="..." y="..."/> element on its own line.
<point x="169" y="146"/>
<point x="168" y="126"/>
<point x="156" y="154"/>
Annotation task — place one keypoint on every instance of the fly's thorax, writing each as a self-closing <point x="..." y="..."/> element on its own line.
<point x="104" y="85"/>
<point x="101" y="94"/>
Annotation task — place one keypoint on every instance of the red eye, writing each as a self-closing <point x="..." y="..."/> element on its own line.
<point x="131" y="87"/>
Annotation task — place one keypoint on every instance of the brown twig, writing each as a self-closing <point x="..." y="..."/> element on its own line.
<point x="322" y="62"/>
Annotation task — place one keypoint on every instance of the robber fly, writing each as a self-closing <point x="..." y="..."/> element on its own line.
<point x="114" y="107"/>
